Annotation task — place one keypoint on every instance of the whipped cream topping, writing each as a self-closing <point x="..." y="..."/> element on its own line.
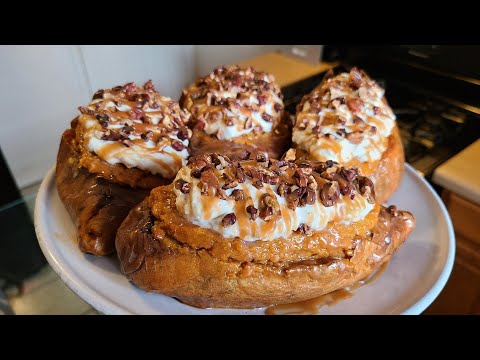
<point x="136" y="127"/>
<point x="345" y="119"/>
<point x="262" y="199"/>
<point x="231" y="102"/>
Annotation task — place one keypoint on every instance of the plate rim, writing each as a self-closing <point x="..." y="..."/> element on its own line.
<point x="105" y="305"/>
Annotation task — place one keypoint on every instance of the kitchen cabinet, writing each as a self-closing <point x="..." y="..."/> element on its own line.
<point x="461" y="295"/>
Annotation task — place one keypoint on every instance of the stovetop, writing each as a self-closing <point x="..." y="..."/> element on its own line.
<point x="433" y="128"/>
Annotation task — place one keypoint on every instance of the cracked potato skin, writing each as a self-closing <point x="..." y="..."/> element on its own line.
<point x="158" y="262"/>
<point x="388" y="174"/>
<point x="96" y="205"/>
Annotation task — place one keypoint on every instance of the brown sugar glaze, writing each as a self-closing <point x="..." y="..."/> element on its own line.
<point x="313" y="306"/>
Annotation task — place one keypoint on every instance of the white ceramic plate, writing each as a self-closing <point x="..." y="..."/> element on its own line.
<point x="414" y="278"/>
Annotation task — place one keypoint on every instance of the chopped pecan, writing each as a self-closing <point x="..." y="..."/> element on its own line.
<point x="355" y="78"/>
<point x="238" y="195"/>
<point x="305" y="229"/>
<point x="262" y="99"/>
<point x="209" y="184"/>
<point x="253" y="211"/>
<point x="112" y="135"/>
<point x="317" y="129"/>
<point x="229" y="220"/>
<point x="178" y="145"/>
<point x="366" y="189"/>
<point x="182" y="134"/>
<point x="357" y="120"/>
<point x="268" y="207"/>
<point x="393" y="210"/>
<point x="230" y="183"/>
<point x="293" y="199"/>
<point x="147" y="136"/>
<point x="329" y="194"/>
<point x="86" y="111"/>
<point x="240" y="175"/>
<point x="354" y="105"/>
<point x="98" y="94"/>
<point x="183" y="186"/>
<point x="267" y="117"/>
<point x="355" y="137"/>
<point x="290" y="155"/>
<point x="311" y="196"/>
<point x="283" y="189"/>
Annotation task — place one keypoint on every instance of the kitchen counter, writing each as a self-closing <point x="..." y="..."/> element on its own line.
<point x="286" y="69"/>
<point x="461" y="174"/>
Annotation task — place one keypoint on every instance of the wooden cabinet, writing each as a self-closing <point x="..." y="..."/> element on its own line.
<point x="461" y="295"/>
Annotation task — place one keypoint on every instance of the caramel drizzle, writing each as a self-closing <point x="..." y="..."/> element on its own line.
<point x="242" y="82"/>
<point x="348" y="83"/>
<point x="137" y="121"/>
<point x="313" y="306"/>
<point x="282" y="214"/>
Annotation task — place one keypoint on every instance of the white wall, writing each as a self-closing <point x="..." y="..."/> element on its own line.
<point x="42" y="87"/>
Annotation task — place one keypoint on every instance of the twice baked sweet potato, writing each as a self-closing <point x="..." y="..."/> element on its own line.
<point x="161" y="251"/>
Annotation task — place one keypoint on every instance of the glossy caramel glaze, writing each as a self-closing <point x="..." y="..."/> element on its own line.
<point x="275" y="143"/>
<point x="333" y="242"/>
<point x="96" y="205"/>
<point x="313" y="306"/>
<point x="201" y="268"/>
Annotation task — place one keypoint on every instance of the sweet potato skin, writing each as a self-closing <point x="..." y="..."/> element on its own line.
<point x="96" y="205"/>
<point x="197" y="277"/>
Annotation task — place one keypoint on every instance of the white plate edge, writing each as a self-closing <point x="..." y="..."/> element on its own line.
<point x="106" y="306"/>
<point x="70" y="278"/>
<point x="436" y="289"/>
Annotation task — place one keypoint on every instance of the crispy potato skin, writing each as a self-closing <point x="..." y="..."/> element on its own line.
<point x="275" y="143"/>
<point x="196" y="276"/>
<point x="388" y="174"/>
<point x="96" y="205"/>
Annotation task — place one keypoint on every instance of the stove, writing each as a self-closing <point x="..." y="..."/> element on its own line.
<point x="434" y="127"/>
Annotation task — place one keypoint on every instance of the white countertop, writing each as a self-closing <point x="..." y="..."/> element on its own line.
<point x="461" y="174"/>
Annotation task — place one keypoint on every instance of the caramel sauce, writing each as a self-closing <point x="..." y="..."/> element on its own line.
<point x="108" y="149"/>
<point x="208" y="203"/>
<point x="313" y="306"/>
<point x="242" y="218"/>
<point x="332" y="145"/>
<point x="379" y="124"/>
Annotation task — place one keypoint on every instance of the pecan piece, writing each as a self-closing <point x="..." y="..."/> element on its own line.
<point x="293" y="199"/>
<point x="366" y="189"/>
<point x="355" y="137"/>
<point x="178" y="145"/>
<point x="355" y="78"/>
<point x="229" y="220"/>
<point x="354" y="105"/>
<point x="267" y="117"/>
<point x="329" y="194"/>
<point x="98" y="94"/>
<point x="253" y="211"/>
<point x="305" y="229"/>
<point x="238" y="195"/>
<point x="283" y="189"/>
<point x="290" y="155"/>
<point x="183" y="186"/>
<point x="268" y="207"/>
<point x="182" y="134"/>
